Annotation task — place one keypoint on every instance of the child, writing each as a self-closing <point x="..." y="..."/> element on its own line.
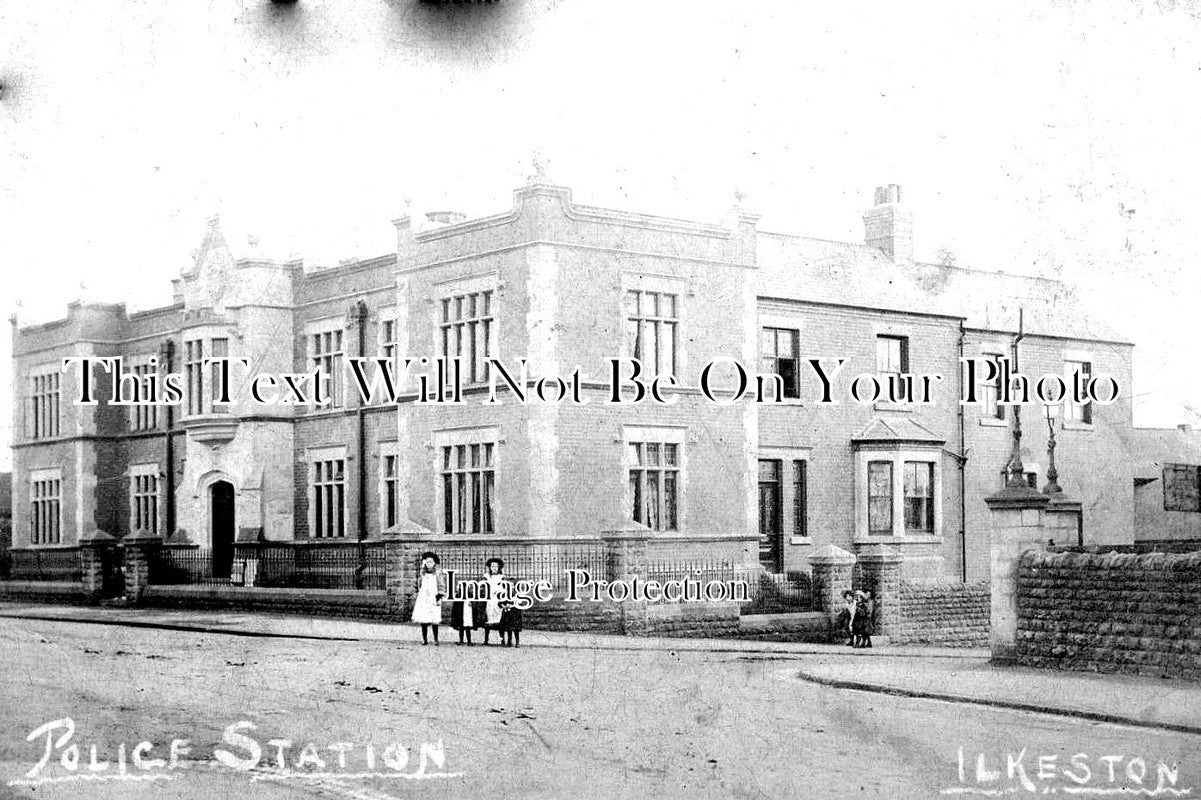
<point x="846" y="617"/>
<point x="861" y="626"/>
<point x="510" y="624"/>
<point x="494" y="574"/>
<point x="462" y="619"/>
<point x="431" y="588"/>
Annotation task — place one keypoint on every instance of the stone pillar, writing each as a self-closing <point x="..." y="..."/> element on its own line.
<point x="96" y="552"/>
<point x="880" y="568"/>
<point x="626" y="548"/>
<point x="140" y="550"/>
<point x="831" y="577"/>
<point x="403" y="545"/>
<point x="1017" y="524"/>
<point x="1063" y="519"/>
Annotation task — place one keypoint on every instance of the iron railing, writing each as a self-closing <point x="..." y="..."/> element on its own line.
<point x="535" y="561"/>
<point x="351" y="565"/>
<point x="765" y="592"/>
<point x="58" y="564"/>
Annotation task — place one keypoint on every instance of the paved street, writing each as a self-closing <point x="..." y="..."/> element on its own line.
<point x="549" y="721"/>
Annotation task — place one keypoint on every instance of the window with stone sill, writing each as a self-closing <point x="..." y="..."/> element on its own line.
<point x="45" y="507"/>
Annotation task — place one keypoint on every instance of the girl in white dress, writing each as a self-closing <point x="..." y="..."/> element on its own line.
<point x="427" y="608"/>
<point x="495" y="575"/>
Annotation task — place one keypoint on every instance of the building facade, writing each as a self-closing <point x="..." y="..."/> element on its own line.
<point x="568" y="286"/>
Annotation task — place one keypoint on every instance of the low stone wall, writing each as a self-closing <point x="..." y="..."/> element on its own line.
<point x="692" y="620"/>
<point x="43" y="591"/>
<point x="322" y="602"/>
<point x="805" y="626"/>
<point x="947" y="615"/>
<point x="559" y="615"/>
<point x="1110" y="612"/>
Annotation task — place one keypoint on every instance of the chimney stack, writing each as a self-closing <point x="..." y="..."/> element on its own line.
<point x="446" y="217"/>
<point x="889" y="225"/>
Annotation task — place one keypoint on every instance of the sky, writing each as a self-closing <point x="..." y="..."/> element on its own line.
<point x="1054" y="138"/>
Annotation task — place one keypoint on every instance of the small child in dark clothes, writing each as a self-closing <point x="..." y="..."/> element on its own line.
<point x="864" y="620"/>
<point x="510" y="625"/>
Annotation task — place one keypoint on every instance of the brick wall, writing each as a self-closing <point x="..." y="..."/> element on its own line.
<point x="1111" y="612"/>
<point x="948" y="615"/>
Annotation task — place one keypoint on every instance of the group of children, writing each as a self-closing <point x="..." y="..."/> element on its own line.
<point x="491" y="614"/>
<point x="857" y="618"/>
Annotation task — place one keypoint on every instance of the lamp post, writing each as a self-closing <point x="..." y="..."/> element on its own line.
<point x="1015" y="469"/>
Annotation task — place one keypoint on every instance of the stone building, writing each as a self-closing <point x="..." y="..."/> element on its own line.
<point x="566" y="286"/>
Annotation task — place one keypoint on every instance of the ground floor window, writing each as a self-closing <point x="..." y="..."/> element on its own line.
<point x="654" y="476"/>
<point x="468" y="488"/>
<point x="898" y="492"/>
<point x="143" y="500"/>
<point x="45" y="507"/>
<point x="329" y="497"/>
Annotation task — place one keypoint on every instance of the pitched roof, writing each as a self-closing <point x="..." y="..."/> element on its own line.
<point x="897" y="429"/>
<point x="815" y="270"/>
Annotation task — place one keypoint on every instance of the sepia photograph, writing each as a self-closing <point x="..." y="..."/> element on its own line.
<point x="562" y="399"/>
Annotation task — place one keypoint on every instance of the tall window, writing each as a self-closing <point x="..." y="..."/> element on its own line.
<point x="45" y="510"/>
<point x="655" y="483"/>
<point x="1181" y="487"/>
<point x="1079" y="412"/>
<point x="919" y="497"/>
<point x="194" y="371"/>
<point x="652" y="320"/>
<point x="467" y="331"/>
<point x="143" y="417"/>
<point x="879" y="498"/>
<point x="800" y="498"/>
<point x="387" y="339"/>
<point x="329" y="498"/>
<point x="325" y="350"/>
<point x="391" y="486"/>
<point x="992" y="392"/>
<point x="779" y="352"/>
<point x="892" y="354"/>
<point x="144" y="499"/>
<point x="44" y="405"/>
<point x="468" y="488"/>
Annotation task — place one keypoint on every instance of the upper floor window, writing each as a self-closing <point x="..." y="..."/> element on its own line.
<point x="329" y="496"/>
<point x="143" y="490"/>
<point x="779" y="351"/>
<point x="993" y="390"/>
<point x="387" y="337"/>
<point x="468" y="487"/>
<point x="143" y="417"/>
<point x="45" y="400"/>
<point x="325" y="356"/>
<point x="1078" y="412"/>
<point x="45" y="507"/>
<point x="892" y="354"/>
<point x="652" y="328"/>
<point x="467" y="331"/>
<point x="1181" y="487"/>
<point x="193" y="360"/>
<point x="218" y="348"/>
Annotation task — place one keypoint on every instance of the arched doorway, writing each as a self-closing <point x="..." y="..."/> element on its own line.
<point x="221" y="495"/>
